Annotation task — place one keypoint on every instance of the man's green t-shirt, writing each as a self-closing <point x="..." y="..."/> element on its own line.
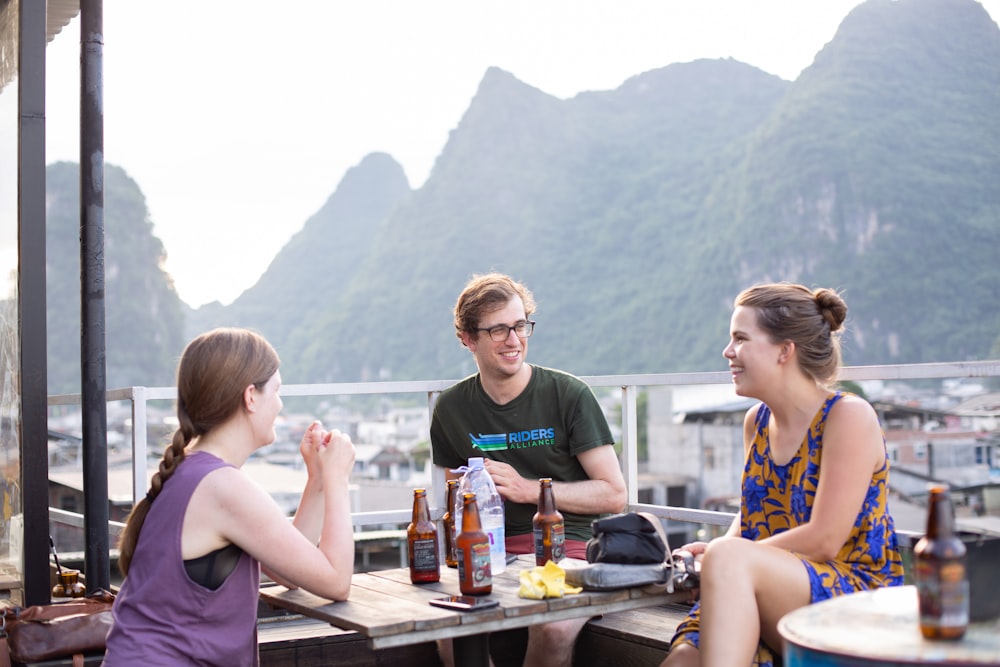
<point x="539" y="433"/>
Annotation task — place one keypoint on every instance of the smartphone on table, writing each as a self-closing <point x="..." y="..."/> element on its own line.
<point x="465" y="602"/>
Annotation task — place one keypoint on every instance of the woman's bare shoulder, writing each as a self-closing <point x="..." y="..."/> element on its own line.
<point x="853" y="406"/>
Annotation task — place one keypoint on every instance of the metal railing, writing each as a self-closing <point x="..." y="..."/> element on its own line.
<point x="630" y="386"/>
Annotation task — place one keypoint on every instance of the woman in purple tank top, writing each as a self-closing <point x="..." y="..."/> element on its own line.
<point x="193" y="548"/>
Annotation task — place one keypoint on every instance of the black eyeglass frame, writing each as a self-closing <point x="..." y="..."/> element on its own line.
<point x="503" y="330"/>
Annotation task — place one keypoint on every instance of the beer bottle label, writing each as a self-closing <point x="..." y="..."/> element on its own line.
<point x="479" y="558"/>
<point x="943" y="593"/>
<point x="538" y="535"/>
<point x="482" y="574"/>
<point x="425" y="557"/>
<point x="558" y="541"/>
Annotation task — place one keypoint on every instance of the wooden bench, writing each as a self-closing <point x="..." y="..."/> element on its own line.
<point x="632" y="638"/>
<point x="638" y="637"/>
<point x="292" y="641"/>
<point x="88" y="659"/>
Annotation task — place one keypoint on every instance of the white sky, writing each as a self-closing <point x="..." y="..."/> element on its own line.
<point x="238" y="119"/>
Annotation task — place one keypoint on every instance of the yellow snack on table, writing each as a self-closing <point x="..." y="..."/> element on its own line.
<point x="532" y="587"/>
<point x="548" y="581"/>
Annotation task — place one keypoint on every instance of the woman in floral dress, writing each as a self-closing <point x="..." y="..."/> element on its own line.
<point x="814" y="519"/>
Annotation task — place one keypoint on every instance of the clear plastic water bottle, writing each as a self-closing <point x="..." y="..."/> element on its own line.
<point x="477" y="480"/>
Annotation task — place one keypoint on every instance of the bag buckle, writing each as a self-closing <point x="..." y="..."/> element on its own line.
<point x="686" y="571"/>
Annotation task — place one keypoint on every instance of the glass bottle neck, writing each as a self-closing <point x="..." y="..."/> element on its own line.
<point x="941" y="518"/>
<point x="420" y="511"/>
<point x="546" y="500"/>
<point x="470" y="515"/>
<point x="450" y="499"/>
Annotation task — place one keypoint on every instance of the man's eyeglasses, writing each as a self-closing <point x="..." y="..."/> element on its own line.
<point x="501" y="332"/>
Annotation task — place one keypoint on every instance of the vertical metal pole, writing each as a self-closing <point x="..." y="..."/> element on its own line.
<point x="439" y="482"/>
<point x="92" y="316"/>
<point x="930" y="459"/>
<point x="140" y="407"/>
<point x="31" y="299"/>
<point x="702" y="493"/>
<point x="630" y="442"/>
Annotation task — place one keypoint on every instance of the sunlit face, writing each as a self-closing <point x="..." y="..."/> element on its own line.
<point x="751" y="354"/>
<point x="267" y="406"/>
<point x="504" y="358"/>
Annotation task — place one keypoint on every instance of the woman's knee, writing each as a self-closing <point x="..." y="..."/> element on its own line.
<point x="725" y="552"/>
<point x="681" y="655"/>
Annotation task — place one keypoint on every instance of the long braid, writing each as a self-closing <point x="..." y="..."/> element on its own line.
<point x="172" y="457"/>
<point x="213" y="371"/>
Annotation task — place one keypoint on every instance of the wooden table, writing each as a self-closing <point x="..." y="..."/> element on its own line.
<point x="390" y="611"/>
<point x="879" y="628"/>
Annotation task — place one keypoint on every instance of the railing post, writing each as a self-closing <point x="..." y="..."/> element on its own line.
<point x="92" y="294"/>
<point x="438" y="484"/>
<point x="630" y="442"/>
<point x="29" y="320"/>
<point x="139" y="431"/>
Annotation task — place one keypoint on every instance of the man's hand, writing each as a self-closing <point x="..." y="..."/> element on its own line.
<point x="510" y="484"/>
<point x="603" y="493"/>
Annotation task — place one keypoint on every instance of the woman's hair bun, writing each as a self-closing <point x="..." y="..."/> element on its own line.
<point x="831" y="306"/>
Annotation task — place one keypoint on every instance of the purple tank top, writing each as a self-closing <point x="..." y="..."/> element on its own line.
<point x="161" y="616"/>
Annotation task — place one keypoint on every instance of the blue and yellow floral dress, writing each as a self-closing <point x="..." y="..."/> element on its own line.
<point x="778" y="497"/>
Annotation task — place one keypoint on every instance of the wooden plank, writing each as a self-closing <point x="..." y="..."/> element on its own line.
<point x="381" y="614"/>
<point x="598" y="650"/>
<point x="651" y="626"/>
<point x="296" y="628"/>
<point x="880" y="626"/>
<point x="391" y="612"/>
<point x="510" y="581"/>
<point x="373" y="613"/>
<point x="504" y="624"/>
<point x="421" y="594"/>
<point x="504" y="590"/>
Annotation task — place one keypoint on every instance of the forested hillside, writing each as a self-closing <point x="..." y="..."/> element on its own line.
<point x="144" y="317"/>
<point x="636" y="215"/>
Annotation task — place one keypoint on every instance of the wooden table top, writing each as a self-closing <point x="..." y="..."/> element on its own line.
<point x="390" y="611"/>
<point x="881" y="627"/>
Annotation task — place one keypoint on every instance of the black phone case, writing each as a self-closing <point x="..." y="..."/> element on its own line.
<point x="458" y="603"/>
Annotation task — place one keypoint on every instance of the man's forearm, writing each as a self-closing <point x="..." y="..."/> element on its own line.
<point x="591" y="496"/>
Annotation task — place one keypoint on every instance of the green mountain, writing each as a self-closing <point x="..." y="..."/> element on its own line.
<point x="879" y="173"/>
<point x="144" y="318"/>
<point x="636" y="215"/>
<point x="586" y="200"/>
<point x="319" y="262"/>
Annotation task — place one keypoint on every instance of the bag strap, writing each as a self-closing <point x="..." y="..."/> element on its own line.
<point x="658" y="526"/>
<point x="654" y="520"/>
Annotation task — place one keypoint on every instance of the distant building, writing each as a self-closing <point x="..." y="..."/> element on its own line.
<point x="698" y="453"/>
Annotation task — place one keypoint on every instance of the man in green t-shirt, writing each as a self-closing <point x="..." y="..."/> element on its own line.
<point x="528" y="422"/>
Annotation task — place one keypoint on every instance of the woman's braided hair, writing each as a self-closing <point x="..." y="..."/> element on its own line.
<point x="214" y="370"/>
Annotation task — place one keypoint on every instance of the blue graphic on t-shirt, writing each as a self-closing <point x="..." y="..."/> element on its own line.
<point x="489" y="443"/>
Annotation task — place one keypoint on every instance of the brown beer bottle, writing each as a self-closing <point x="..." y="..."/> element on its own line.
<point x="472" y="551"/>
<point x="548" y="527"/>
<point x="448" y="521"/>
<point x="939" y="560"/>
<point x="422" y="543"/>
